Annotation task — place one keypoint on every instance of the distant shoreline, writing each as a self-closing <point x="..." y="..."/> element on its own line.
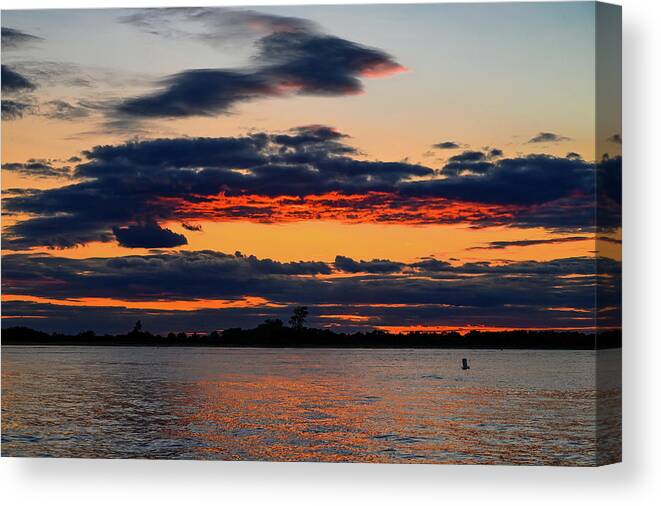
<point x="305" y="347"/>
<point x="286" y="337"/>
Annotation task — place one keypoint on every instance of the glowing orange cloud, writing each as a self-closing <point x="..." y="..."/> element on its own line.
<point x="372" y="207"/>
<point x="347" y="317"/>
<point x="166" y="305"/>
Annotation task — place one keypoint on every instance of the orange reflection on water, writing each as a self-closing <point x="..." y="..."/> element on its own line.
<point x="391" y="411"/>
<point x="405" y="406"/>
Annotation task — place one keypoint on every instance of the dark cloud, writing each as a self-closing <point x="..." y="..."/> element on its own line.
<point x="13" y="109"/>
<point x="495" y="153"/>
<point x="615" y="139"/>
<point x="208" y="274"/>
<point x="269" y="267"/>
<point x="148" y="235"/>
<point x="531" y="242"/>
<point x="609" y="194"/>
<point x="55" y="231"/>
<point x="516" y="293"/>
<point x="59" y="73"/>
<point x="317" y="64"/>
<point x="314" y="135"/>
<point x="293" y="58"/>
<point x="468" y="156"/>
<point x="446" y="145"/>
<point x="532" y="179"/>
<point x="474" y="162"/>
<point x="307" y="173"/>
<point x="37" y="168"/>
<point x="202" y="92"/>
<point x="432" y="265"/>
<point x="16" y="84"/>
<point x="375" y="266"/>
<point x="12" y="38"/>
<point x="175" y="276"/>
<point x="194" y="152"/>
<point x="22" y="83"/>
<point x="13" y="82"/>
<point x="63" y="110"/>
<point x="542" y="137"/>
<point x="573" y="156"/>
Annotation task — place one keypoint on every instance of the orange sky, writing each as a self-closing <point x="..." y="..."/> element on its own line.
<point x="404" y="108"/>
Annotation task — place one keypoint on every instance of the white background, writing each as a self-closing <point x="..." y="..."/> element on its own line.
<point x="637" y="480"/>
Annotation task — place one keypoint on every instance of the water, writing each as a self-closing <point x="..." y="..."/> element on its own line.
<point x="402" y="406"/>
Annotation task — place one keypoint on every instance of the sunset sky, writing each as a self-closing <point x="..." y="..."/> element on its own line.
<point x="390" y="166"/>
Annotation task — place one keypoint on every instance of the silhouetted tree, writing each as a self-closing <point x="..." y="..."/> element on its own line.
<point x="297" y="320"/>
<point x="137" y="328"/>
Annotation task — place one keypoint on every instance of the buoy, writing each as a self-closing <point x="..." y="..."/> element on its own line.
<point x="464" y="364"/>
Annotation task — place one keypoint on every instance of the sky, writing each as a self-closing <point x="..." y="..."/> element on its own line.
<point x="399" y="167"/>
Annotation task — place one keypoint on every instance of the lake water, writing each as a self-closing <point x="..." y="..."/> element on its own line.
<point x="400" y="406"/>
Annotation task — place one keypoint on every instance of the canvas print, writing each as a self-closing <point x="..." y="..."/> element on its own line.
<point x="347" y="233"/>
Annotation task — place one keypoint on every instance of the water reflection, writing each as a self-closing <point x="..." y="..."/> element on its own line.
<point x="515" y="407"/>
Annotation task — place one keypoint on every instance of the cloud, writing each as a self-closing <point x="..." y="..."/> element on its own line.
<point x="306" y="173"/>
<point x="13" y="109"/>
<point x="615" y="139"/>
<point x="318" y="64"/>
<point x="468" y="156"/>
<point x="37" y="168"/>
<point x="446" y="145"/>
<point x="509" y="294"/>
<point x="192" y="228"/>
<point x="63" y="110"/>
<point x="22" y="82"/>
<point x="58" y="73"/>
<point x="432" y="265"/>
<point x="314" y="135"/>
<point x="292" y="58"/>
<point x="531" y="242"/>
<point x="203" y="92"/>
<point x="526" y="180"/>
<point x="214" y="26"/>
<point x="13" y="82"/>
<point x="13" y="39"/>
<point x="473" y="162"/>
<point x="55" y="231"/>
<point x="547" y="137"/>
<point x="18" y="86"/>
<point x="148" y="235"/>
<point x="346" y="264"/>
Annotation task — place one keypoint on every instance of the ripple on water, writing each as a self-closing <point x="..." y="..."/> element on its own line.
<point x="312" y="405"/>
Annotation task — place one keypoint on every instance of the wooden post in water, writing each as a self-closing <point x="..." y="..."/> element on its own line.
<point x="464" y="364"/>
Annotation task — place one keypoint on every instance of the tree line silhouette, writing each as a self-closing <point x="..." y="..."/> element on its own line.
<point x="273" y="333"/>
